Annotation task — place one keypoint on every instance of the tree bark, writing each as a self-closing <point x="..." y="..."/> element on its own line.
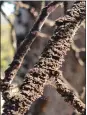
<point x="48" y="66"/>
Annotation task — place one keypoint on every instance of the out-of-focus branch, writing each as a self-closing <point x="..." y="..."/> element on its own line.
<point x="6" y="18"/>
<point x="43" y="35"/>
<point x="50" y="23"/>
<point x="49" y="65"/>
<point x="28" y="7"/>
<point x="25" y="46"/>
<point x="12" y="26"/>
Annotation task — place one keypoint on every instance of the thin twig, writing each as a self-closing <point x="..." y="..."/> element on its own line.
<point x="6" y="18"/>
<point x="43" y="35"/>
<point x="12" y="26"/>
<point x="50" y="23"/>
<point x="48" y="66"/>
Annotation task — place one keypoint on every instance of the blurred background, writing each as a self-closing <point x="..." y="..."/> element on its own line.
<point x="17" y="18"/>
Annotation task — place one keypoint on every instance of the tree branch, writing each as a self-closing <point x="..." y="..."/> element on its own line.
<point x="6" y="18"/>
<point x="33" y="11"/>
<point x="48" y="66"/>
<point x="25" y="46"/>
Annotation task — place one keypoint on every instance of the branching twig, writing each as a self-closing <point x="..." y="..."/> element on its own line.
<point x="25" y="46"/>
<point x="48" y="66"/>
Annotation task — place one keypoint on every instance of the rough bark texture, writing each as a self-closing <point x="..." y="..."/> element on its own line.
<point x="48" y="66"/>
<point x="25" y="46"/>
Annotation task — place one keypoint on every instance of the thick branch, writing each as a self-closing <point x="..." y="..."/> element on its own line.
<point x="25" y="46"/>
<point x="49" y="64"/>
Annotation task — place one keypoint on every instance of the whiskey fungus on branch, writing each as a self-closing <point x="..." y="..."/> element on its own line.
<point x="49" y="65"/>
